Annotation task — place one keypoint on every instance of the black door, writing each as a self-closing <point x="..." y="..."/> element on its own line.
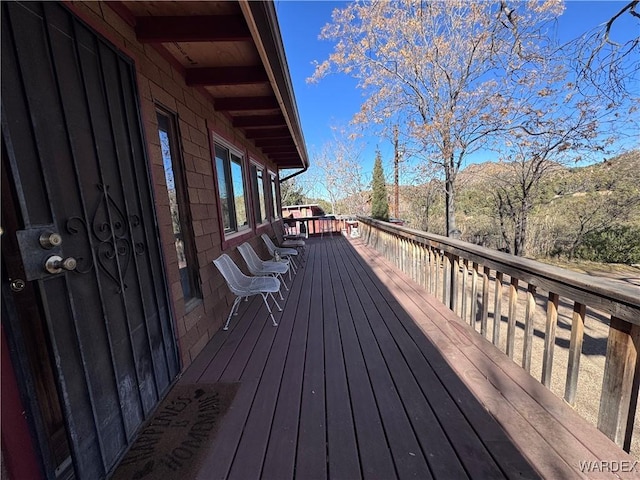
<point x="73" y="149"/>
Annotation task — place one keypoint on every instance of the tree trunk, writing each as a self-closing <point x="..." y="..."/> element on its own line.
<point x="450" y="213"/>
<point x="502" y="215"/>
<point x="520" y="236"/>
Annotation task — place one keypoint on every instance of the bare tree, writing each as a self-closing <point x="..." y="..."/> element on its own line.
<point x="439" y="67"/>
<point x="337" y="173"/>
<point x="606" y="58"/>
<point x="292" y="192"/>
<point x="555" y="118"/>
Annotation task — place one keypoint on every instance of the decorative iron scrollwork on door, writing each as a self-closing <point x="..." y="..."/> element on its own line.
<point x="75" y="226"/>
<point x="112" y="235"/>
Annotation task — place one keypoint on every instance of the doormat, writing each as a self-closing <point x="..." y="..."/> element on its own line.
<point x="173" y="443"/>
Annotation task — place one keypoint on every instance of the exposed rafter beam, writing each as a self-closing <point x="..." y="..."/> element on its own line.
<point x="245" y="103"/>
<point x="259" y="121"/>
<point x="276" y="150"/>
<point x="269" y="142"/>
<point x="280" y="132"/>
<point x="289" y="162"/>
<point x="226" y="76"/>
<point x="207" y="28"/>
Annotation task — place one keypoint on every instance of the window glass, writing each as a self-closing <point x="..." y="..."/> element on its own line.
<point x="178" y="205"/>
<point x="257" y="179"/>
<point x="274" y="196"/>
<point x="221" y="156"/>
<point x="238" y="192"/>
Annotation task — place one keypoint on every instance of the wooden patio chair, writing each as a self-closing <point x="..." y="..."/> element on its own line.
<point x="243" y="286"/>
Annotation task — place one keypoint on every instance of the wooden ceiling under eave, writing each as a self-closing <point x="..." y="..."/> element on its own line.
<point x="233" y="51"/>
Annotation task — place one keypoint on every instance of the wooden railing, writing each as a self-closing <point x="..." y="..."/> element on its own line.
<point x="312" y="226"/>
<point x="483" y="286"/>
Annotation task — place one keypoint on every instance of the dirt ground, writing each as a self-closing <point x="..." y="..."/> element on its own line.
<point x="594" y="344"/>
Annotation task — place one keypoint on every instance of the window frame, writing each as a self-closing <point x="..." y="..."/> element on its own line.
<point x="234" y="230"/>
<point x="183" y="203"/>
<point x="274" y="194"/>
<point x="263" y="207"/>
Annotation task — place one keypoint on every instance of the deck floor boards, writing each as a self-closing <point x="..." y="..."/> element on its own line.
<point x="368" y="376"/>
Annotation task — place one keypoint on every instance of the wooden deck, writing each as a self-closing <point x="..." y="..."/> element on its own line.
<point x="367" y="376"/>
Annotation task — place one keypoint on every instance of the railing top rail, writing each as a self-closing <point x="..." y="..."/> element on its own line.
<point x="619" y="299"/>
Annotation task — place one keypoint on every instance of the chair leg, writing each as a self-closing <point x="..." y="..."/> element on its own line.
<point x="234" y="308"/>
<point x="291" y="268"/>
<point x="283" y="282"/>
<point x="275" y="302"/>
<point x="264" y="298"/>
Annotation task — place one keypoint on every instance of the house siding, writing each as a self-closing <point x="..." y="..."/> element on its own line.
<point x="162" y="83"/>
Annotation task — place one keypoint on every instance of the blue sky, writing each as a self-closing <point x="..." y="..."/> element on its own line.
<point x="335" y="99"/>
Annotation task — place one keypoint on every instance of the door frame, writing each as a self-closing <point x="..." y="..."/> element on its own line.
<point x="27" y="447"/>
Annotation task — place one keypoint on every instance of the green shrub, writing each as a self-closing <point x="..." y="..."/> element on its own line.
<point x="620" y="244"/>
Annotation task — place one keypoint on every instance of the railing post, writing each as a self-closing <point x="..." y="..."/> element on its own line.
<point x="620" y="384"/>
<point x="528" y="327"/>
<point x="497" y="309"/>
<point x="550" y="338"/>
<point x="575" y="350"/>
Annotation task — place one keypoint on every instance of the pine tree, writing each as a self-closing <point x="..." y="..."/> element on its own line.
<point x="379" y="201"/>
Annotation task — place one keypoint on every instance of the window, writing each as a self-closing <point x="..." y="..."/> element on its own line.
<point x="231" y="190"/>
<point x="178" y="205"/>
<point x="259" y="200"/>
<point x="274" y="195"/>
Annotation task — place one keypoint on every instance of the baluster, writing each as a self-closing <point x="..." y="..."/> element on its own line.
<point x="424" y="262"/>
<point x="410" y="259"/>
<point x="497" y="309"/>
<point x="414" y="261"/>
<point x="528" y="327"/>
<point x="620" y="383"/>
<point x="575" y="350"/>
<point x="446" y="278"/>
<point x="420" y="263"/>
<point x="484" y="315"/>
<point x="474" y="296"/>
<point x="436" y="275"/>
<point x="455" y="273"/>
<point x="511" y="321"/>
<point x="430" y="273"/>
<point x="550" y="338"/>
<point x="465" y="274"/>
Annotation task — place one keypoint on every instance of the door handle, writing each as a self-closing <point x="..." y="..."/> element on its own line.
<point x="55" y="264"/>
